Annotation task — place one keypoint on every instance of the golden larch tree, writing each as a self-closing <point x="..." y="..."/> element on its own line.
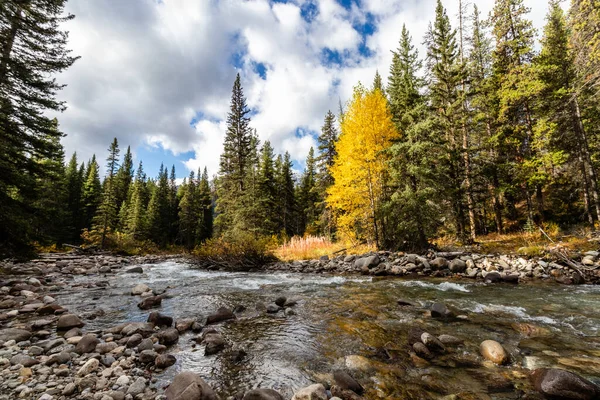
<point x="359" y="170"/>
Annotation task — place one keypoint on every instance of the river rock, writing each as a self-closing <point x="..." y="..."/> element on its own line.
<point x="457" y="265"/>
<point x="189" y="386"/>
<point x="439" y="310"/>
<point x="87" y="344"/>
<point x="422" y="351"/>
<point x="150" y="302"/>
<point x="68" y="321"/>
<point x="90" y="366"/>
<point x="159" y="319"/>
<point x="148" y="356"/>
<point x="367" y="262"/>
<point x="135" y="270"/>
<point x="493" y="277"/>
<point x="137" y="387"/>
<point x="273" y="309"/>
<point x="72" y="333"/>
<point x="104" y="348"/>
<point x="439" y="263"/>
<point x="344" y="394"/>
<point x="432" y="342"/>
<point x="493" y="351"/>
<point x="69" y="389"/>
<point x="449" y="340"/>
<point x="184" y="325"/>
<point x="165" y="361"/>
<point x="18" y="335"/>
<point x="312" y="392"/>
<point x="280" y="301"/>
<point x="134" y="340"/>
<point x="24" y="360"/>
<point x="222" y="314"/>
<point x="139" y="289"/>
<point x="262" y="394"/>
<point x="561" y="384"/>
<point x="168" y="336"/>
<point x="146" y="344"/>
<point x="345" y="381"/>
<point x="214" y="343"/>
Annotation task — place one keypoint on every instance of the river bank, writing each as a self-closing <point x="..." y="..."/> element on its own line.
<point x="107" y="327"/>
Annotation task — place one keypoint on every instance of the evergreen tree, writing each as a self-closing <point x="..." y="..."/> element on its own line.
<point x="107" y="216"/>
<point x="286" y="200"/>
<point x="33" y="50"/>
<point x="412" y="210"/>
<point x="159" y="210"/>
<point x="237" y="149"/>
<point x="267" y="191"/>
<point x="308" y="199"/>
<point x="124" y="178"/>
<point x="92" y="192"/>
<point x="585" y="42"/>
<point x="136" y="218"/>
<point x="205" y="215"/>
<point x="377" y="83"/>
<point x="188" y="212"/>
<point x="173" y="206"/>
<point x="74" y="207"/>
<point x="445" y="76"/>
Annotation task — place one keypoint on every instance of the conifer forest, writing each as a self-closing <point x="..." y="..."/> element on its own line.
<point x="493" y="129"/>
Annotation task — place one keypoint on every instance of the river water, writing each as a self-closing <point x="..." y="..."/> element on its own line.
<point x="355" y="323"/>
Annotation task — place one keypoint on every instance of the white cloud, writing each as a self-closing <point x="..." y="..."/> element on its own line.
<point x="149" y="68"/>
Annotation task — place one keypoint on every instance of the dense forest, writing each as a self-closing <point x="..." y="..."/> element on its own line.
<point x="489" y="131"/>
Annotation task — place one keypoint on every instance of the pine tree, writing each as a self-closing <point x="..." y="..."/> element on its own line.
<point x="32" y="50"/>
<point x="326" y="159"/>
<point x="308" y="199"/>
<point x="107" y="216"/>
<point x="136" y="218"/>
<point x="446" y="74"/>
<point x="584" y="20"/>
<point x="74" y="207"/>
<point x="92" y="192"/>
<point x="124" y="178"/>
<point x="205" y="214"/>
<point x="173" y="206"/>
<point x="267" y="190"/>
<point x="237" y="149"/>
<point x="517" y="86"/>
<point x="286" y="200"/>
<point x="159" y="210"/>
<point x="412" y="210"/>
<point x="377" y="83"/>
<point x="188" y="215"/>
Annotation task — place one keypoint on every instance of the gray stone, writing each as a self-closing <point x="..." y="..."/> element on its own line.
<point x="189" y="386"/>
<point x="68" y="321"/>
<point x="561" y="384"/>
<point x="367" y="262"/>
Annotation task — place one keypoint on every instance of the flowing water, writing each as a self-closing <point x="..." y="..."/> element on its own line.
<point x="356" y="323"/>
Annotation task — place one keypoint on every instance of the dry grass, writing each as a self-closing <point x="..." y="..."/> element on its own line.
<point x="313" y="247"/>
<point x="524" y="243"/>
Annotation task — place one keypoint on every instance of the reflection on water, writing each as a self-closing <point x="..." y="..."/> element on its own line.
<point x="355" y="323"/>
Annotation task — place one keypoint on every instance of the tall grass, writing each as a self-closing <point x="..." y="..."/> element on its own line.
<point x="313" y="247"/>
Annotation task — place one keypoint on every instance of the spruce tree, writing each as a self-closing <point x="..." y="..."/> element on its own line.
<point x="234" y="162"/>
<point x="286" y="200"/>
<point x="124" y="178"/>
<point x="377" y="83"/>
<point x="308" y="196"/>
<point x="159" y="210"/>
<point x="136" y="218"/>
<point x="412" y="211"/>
<point x="74" y="209"/>
<point x="107" y="216"/>
<point x="33" y="49"/>
<point x="92" y="192"/>
<point x="205" y="215"/>
<point x="267" y="191"/>
<point x="188" y="208"/>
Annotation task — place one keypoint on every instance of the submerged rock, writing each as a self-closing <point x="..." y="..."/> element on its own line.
<point x="345" y="381"/>
<point x="222" y="314"/>
<point x="561" y="384"/>
<point x="262" y="394"/>
<point x="150" y="302"/>
<point x="312" y="392"/>
<point x="439" y="310"/>
<point x="159" y="319"/>
<point x="493" y="351"/>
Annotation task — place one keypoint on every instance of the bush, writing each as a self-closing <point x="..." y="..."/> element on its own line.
<point x="243" y="252"/>
<point x="118" y="242"/>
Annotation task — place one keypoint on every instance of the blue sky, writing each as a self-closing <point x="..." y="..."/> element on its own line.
<point x="158" y="75"/>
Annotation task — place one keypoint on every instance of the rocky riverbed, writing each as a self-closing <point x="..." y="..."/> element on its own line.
<point x="108" y="328"/>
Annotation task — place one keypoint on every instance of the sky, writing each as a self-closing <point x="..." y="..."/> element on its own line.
<point x="157" y="74"/>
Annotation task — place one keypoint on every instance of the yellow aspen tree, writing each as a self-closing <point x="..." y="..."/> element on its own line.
<point x="360" y="167"/>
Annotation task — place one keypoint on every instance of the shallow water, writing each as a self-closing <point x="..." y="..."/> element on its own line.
<point x="340" y="318"/>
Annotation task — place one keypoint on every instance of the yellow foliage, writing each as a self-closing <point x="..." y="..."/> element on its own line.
<point x="360" y="167"/>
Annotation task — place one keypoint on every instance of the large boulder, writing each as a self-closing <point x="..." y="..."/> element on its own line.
<point x="367" y="262"/>
<point x="68" y="321"/>
<point x="222" y="314"/>
<point x="135" y="270"/>
<point x="493" y="351"/>
<point x="262" y="394"/>
<point x="165" y="361"/>
<point x="561" y="384"/>
<point x="18" y="335"/>
<point x="312" y="392"/>
<point x="214" y="343"/>
<point x="439" y="263"/>
<point x="189" y="386"/>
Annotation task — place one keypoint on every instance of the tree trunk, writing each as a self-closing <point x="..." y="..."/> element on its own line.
<point x="8" y="45"/>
